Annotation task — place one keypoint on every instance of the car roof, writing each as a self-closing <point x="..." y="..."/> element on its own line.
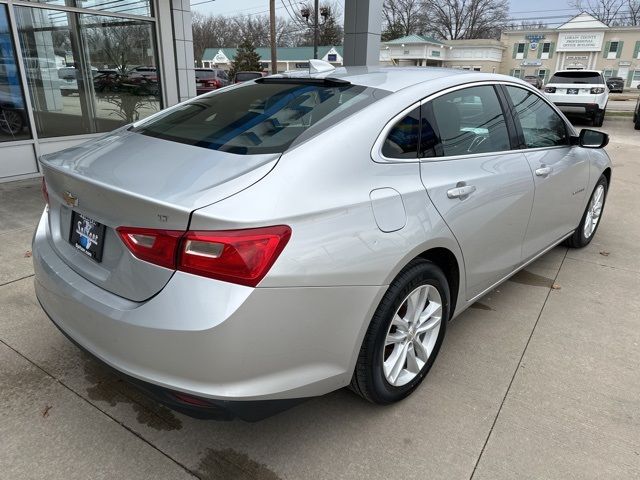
<point x="394" y="79"/>
<point x="597" y="72"/>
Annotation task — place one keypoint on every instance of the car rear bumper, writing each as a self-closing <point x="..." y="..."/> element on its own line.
<point x="588" y="109"/>
<point x="211" y="339"/>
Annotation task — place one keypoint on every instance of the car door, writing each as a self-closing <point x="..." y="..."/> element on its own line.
<point x="561" y="170"/>
<point x="482" y="188"/>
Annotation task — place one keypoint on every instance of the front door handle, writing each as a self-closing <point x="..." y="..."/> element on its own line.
<point x="544" y="171"/>
<point x="461" y="191"/>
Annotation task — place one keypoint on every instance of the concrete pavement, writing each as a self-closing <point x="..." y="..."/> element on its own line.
<point x="533" y="382"/>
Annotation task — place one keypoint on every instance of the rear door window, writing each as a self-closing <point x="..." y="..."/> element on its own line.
<point x="470" y="121"/>
<point x="244" y="77"/>
<point x="262" y="117"/>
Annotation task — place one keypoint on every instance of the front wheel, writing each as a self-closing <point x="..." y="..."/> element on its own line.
<point x="404" y="336"/>
<point x="591" y="217"/>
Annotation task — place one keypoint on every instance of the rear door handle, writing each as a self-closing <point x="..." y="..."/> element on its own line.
<point x="461" y="191"/>
<point x="544" y="171"/>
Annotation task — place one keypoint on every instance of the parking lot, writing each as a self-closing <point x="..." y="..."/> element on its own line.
<point x="540" y="379"/>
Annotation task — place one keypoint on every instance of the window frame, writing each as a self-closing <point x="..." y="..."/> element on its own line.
<point x="376" y="150"/>
<point x="523" y="146"/>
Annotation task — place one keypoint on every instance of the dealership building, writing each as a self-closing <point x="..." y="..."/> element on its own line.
<point x="71" y="70"/>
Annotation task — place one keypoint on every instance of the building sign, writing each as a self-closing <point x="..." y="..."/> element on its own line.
<point x="580" y="42"/>
<point x="530" y="63"/>
<point x="302" y="65"/>
<point x="624" y="64"/>
<point x="220" y="58"/>
<point x="534" y="40"/>
<point x="435" y="53"/>
<point x="577" y="58"/>
<point x="332" y="57"/>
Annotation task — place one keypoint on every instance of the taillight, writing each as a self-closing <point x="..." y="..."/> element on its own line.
<point x="237" y="256"/>
<point x="597" y="90"/>
<point x="45" y="192"/>
<point x="154" y="246"/>
<point x="550" y="89"/>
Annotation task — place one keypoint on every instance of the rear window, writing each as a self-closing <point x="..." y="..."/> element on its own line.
<point x="577" y="77"/>
<point x="243" y="77"/>
<point x="260" y="118"/>
<point x="205" y="74"/>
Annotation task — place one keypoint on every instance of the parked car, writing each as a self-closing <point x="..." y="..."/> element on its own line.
<point x="246" y="76"/>
<point x="105" y="81"/>
<point x="615" y="84"/>
<point x="304" y="232"/>
<point x="143" y="81"/>
<point x="208" y="79"/>
<point x="534" y="80"/>
<point x="636" y="114"/>
<point x="68" y="80"/>
<point x="69" y="77"/>
<point x="579" y="92"/>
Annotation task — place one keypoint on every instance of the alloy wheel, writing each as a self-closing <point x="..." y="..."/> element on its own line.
<point x="412" y="335"/>
<point x="594" y="211"/>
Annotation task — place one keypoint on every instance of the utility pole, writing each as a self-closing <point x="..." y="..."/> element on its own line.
<point x="272" y="20"/>
<point x="316" y="13"/>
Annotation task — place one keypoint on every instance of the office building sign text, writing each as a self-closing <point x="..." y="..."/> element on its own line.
<point x="580" y="42"/>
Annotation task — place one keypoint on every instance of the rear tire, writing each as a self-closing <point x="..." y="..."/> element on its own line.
<point x="636" y="125"/>
<point x="374" y="377"/>
<point x="583" y="236"/>
<point x="598" y="118"/>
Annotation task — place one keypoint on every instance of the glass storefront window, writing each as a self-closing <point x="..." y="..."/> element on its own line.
<point x="14" y="123"/>
<point x="129" y="7"/>
<point x="87" y="73"/>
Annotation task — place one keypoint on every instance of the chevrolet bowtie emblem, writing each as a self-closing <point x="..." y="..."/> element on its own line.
<point x="70" y="199"/>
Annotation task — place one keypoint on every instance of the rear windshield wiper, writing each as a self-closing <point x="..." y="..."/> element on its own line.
<point x="325" y="82"/>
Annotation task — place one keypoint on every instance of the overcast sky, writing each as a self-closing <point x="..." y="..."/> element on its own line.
<point x="558" y="9"/>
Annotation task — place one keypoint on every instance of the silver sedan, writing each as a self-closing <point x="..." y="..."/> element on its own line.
<point x="292" y="235"/>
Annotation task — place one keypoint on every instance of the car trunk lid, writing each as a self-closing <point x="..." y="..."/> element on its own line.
<point x="128" y="179"/>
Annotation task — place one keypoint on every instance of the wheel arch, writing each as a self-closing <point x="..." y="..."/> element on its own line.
<point x="446" y="260"/>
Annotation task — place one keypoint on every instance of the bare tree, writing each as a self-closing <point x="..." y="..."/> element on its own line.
<point x="402" y="18"/>
<point x="610" y="12"/>
<point x="466" y="19"/>
<point x="633" y="7"/>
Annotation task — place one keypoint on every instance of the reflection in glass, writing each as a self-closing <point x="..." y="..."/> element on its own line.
<point x="13" y="115"/>
<point x="126" y="81"/>
<point x="87" y="73"/>
<point x="129" y="7"/>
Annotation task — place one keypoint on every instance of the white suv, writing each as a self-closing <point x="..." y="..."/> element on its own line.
<point x="582" y="92"/>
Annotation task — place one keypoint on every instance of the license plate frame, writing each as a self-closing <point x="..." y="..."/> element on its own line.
<point x="573" y="91"/>
<point x="87" y="235"/>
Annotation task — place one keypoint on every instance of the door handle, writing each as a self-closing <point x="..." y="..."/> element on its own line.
<point x="544" y="171"/>
<point x="461" y="191"/>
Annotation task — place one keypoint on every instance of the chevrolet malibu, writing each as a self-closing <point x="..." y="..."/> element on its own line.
<point x="295" y="234"/>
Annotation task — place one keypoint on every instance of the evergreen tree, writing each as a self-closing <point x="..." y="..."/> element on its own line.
<point x="246" y="59"/>
<point x="330" y="32"/>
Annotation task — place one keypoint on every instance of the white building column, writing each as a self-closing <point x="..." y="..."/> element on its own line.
<point x="362" y="28"/>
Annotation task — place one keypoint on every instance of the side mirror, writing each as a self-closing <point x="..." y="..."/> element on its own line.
<point x="592" y="139"/>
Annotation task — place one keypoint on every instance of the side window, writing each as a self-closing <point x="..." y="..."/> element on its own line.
<point x="470" y="121"/>
<point x="402" y="140"/>
<point x="541" y="125"/>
